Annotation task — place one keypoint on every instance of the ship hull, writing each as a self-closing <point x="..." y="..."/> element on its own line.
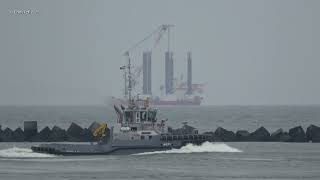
<point x="168" y="142"/>
<point x="176" y="103"/>
<point x="77" y="150"/>
<point x="162" y="102"/>
<point x="115" y="151"/>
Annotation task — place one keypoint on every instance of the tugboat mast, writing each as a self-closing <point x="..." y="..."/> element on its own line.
<point x="129" y="88"/>
<point x="130" y="80"/>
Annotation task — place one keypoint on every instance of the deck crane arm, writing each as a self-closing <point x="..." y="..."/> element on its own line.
<point x="100" y="131"/>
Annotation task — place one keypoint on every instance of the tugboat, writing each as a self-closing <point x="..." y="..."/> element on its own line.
<point x="137" y="130"/>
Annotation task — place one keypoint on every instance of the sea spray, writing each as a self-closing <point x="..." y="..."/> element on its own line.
<point x="16" y="152"/>
<point x="203" y="148"/>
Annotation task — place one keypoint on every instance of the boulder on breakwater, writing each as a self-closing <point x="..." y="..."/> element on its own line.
<point x="280" y="136"/>
<point x="261" y="134"/>
<point x="242" y="135"/>
<point x="313" y="133"/>
<point x="18" y="135"/>
<point x="58" y="134"/>
<point x="7" y="135"/>
<point x="42" y="136"/>
<point x="76" y="133"/>
<point x="297" y="134"/>
<point x="224" y="135"/>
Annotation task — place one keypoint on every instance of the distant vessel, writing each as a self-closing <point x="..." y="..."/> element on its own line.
<point x="137" y="130"/>
<point x="179" y="98"/>
<point x="174" y="92"/>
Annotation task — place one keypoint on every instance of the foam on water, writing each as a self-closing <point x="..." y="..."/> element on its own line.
<point x="16" y="152"/>
<point x="191" y="148"/>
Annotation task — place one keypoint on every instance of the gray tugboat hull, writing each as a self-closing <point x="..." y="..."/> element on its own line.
<point x="121" y="147"/>
<point x="92" y="150"/>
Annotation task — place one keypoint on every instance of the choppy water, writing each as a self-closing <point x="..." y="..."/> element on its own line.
<point x="208" y="161"/>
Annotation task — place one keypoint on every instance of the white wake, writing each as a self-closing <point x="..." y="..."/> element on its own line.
<point x="21" y="153"/>
<point x="191" y="148"/>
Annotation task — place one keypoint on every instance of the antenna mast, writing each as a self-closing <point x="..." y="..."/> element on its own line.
<point x="130" y="80"/>
<point x="128" y="77"/>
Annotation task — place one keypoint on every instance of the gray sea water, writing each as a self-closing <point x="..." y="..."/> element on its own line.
<point x="208" y="161"/>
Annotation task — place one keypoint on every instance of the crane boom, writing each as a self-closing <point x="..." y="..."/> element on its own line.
<point x="160" y="30"/>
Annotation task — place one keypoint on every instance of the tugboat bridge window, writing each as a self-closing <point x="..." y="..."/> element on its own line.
<point x="137" y="117"/>
<point x="143" y="116"/>
<point x="150" y="137"/>
<point x="129" y="116"/>
<point x="150" y="116"/>
<point x="142" y="137"/>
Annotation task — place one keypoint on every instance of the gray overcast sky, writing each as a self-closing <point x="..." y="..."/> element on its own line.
<point x="246" y="51"/>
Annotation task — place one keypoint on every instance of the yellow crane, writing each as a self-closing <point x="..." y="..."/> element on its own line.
<point x="100" y="131"/>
